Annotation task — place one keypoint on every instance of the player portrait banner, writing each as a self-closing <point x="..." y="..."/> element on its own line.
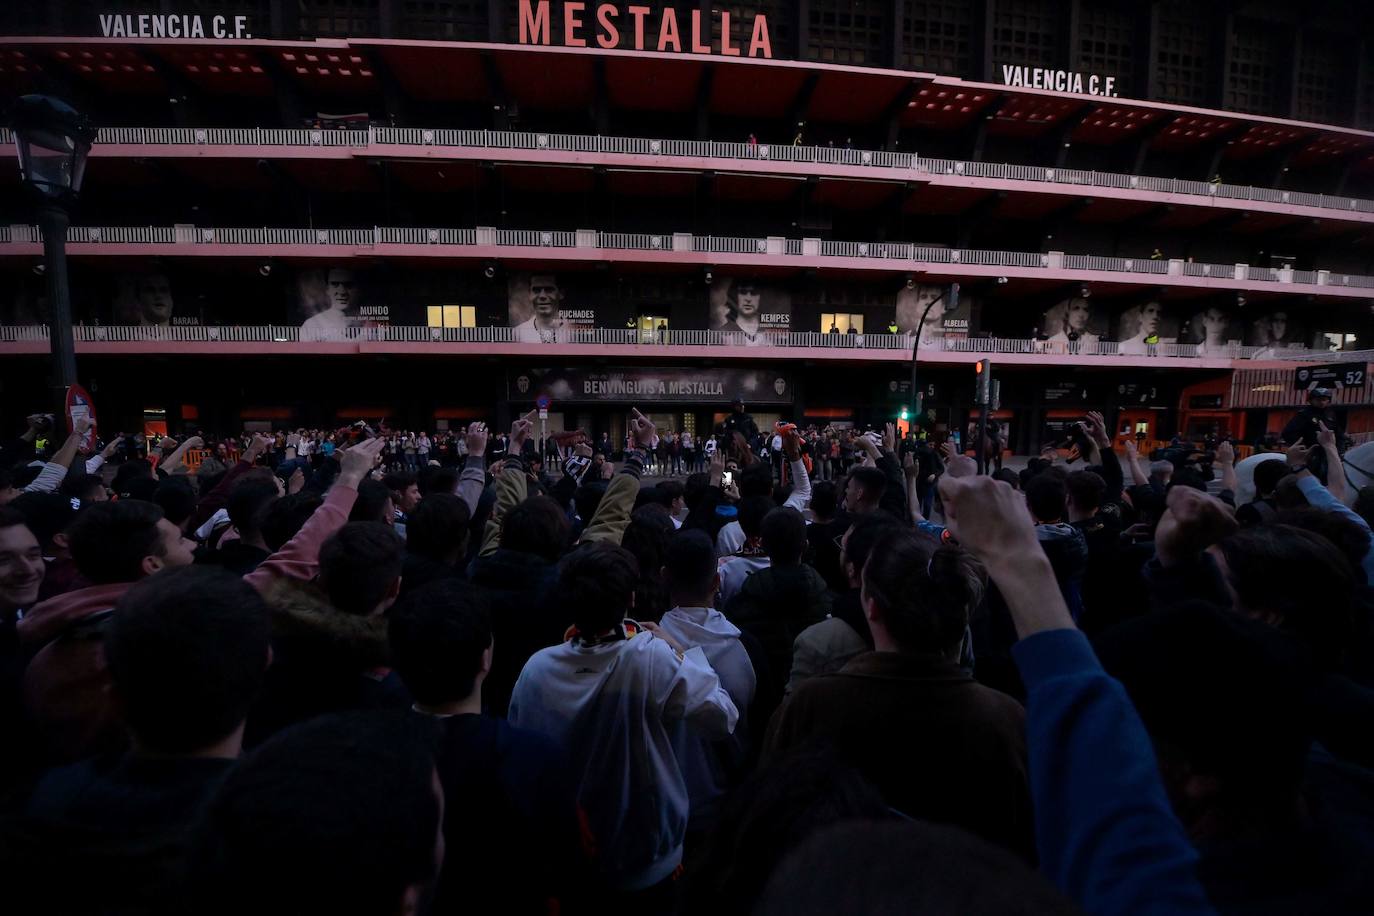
<point x="332" y="301"/>
<point x="1144" y="324"/>
<point x="678" y="385"/>
<point x="941" y="321"/>
<point x="1075" y="319"/>
<point x="751" y="313"/>
<point x="542" y="309"/>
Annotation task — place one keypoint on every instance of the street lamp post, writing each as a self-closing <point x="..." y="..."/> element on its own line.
<point x="53" y="141"/>
<point x="952" y="292"/>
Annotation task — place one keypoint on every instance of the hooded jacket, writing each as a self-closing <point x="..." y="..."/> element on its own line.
<point x="323" y="661"/>
<point x="775" y="605"/>
<point x="1067" y="551"/>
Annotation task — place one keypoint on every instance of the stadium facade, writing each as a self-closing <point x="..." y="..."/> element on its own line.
<point x="299" y="212"/>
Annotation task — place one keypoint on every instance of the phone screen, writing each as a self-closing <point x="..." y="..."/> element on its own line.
<point x="727" y="479"/>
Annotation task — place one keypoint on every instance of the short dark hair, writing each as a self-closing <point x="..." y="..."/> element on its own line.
<point x="45" y="514"/>
<point x="784" y="536"/>
<point x="1008" y="476"/>
<point x="399" y="481"/>
<point x="109" y="540"/>
<point x="691" y="563"/>
<point x="595" y="582"/>
<point x="752" y="510"/>
<point x="79" y="485"/>
<point x="538" y="526"/>
<point x="437" y="480"/>
<point x="438" y="526"/>
<point x="646" y="537"/>
<point x="129" y="471"/>
<point x="249" y="501"/>
<point x="1299" y="576"/>
<point x="871" y="480"/>
<point x="370" y="506"/>
<point x="177" y="498"/>
<point x="338" y="814"/>
<point x="696" y="487"/>
<point x="286" y="516"/>
<point x="359" y="563"/>
<point x="187" y="653"/>
<point x="756" y="480"/>
<point x="865" y="534"/>
<point x="905" y="866"/>
<point x="437" y="635"/>
<point x="1350" y="538"/>
<point x="670" y="490"/>
<point x="1086" y="489"/>
<point x="1267" y="476"/>
<point x="926" y="590"/>
<point x="1045" y="495"/>
<point x="825" y="499"/>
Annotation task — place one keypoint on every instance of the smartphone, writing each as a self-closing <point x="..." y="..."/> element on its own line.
<point x="727" y="479"/>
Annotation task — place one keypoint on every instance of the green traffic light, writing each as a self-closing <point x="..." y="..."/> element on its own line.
<point x="905" y="415"/>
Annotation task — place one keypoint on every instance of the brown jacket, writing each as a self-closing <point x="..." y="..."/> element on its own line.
<point x="937" y="744"/>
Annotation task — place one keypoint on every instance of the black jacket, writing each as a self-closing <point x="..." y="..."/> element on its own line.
<point x="525" y="616"/>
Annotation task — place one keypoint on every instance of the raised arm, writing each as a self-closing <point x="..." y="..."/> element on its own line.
<point x="55" y="471"/>
<point x="612" y="514"/>
<point x="1335" y="470"/>
<point x="1104" y="829"/>
<point x="801" y="481"/>
<point x="1226" y="463"/>
<point x="512" y="485"/>
<point x="473" y="480"/>
<point x="175" y="463"/>
<point x="1138" y="475"/>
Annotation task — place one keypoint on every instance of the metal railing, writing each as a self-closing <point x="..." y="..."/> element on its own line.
<point x="905" y="252"/>
<point x="806" y="340"/>
<point x="707" y="149"/>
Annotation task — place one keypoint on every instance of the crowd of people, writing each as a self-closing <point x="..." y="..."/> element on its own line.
<point x="374" y="672"/>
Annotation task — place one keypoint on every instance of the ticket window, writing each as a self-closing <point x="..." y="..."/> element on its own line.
<point x="840" y="323"/>
<point x="451" y="316"/>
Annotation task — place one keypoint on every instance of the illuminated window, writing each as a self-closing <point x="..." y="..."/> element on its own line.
<point x="840" y="323"/>
<point x="451" y="316"/>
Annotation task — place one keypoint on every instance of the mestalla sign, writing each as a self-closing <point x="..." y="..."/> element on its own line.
<point x="637" y="27"/>
<point x="704" y="386"/>
<point x="172" y="25"/>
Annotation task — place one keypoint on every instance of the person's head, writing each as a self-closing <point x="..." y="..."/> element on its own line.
<point x="154" y="296"/>
<point x="756" y="480"/>
<point x="784" y="536"/>
<point x="360" y="567"/>
<point x="130" y="471"/>
<point x="737" y="405"/>
<point x="438" y="528"/>
<point x="918" y="595"/>
<point x="905" y="866"/>
<point x="1278" y="326"/>
<point x="825" y="498"/>
<point x="1077" y="316"/>
<point x="249" y="501"/>
<point x="1214" y="324"/>
<point x="545" y="296"/>
<point x="671" y="495"/>
<point x="1151" y="314"/>
<point x="912" y="303"/>
<point x="1222" y="699"/>
<point x="1046" y="497"/>
<point x="1085" y="489"/>
<point x="775" y="810"/>
<point x="859" y="541"/>
<point x="1291" y="579"/>
<point x="1009" y="477"/>
<point x="1288" y="495"/>
<point x="341" y="814"/>
<point x="690" y="569"/>
<point x="596" y="582"/>
<point x="747" y="299"/>
<point x="405" y="491"/>
<point x="537" y="526"/>
<point x="21" y="563"/>
<point x="752" y="510"/>
<point x="1161" y="472"/>
<point x="286" y="516"/>
<point x="1319" y="398"/>
<point x="863" y="490"/>
<point x="187" y="653"/>
<point x="441" y="641"/>
<point x="1267" y="477"/>
<point x="647" y="537"/>
<point x="1349" y="537"/>
<point x="374" y="503"/>
<point x="88" y="488"/>
<point x="48" y="516"/>
<point x="125" y="541"/>
<point x="341" y="289"/>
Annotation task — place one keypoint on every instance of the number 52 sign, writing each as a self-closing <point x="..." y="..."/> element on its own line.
<point x="1336" y="375"/>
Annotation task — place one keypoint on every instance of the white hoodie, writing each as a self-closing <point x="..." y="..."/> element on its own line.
<point x="703" y="762"/>
<point x="612" y="706"/>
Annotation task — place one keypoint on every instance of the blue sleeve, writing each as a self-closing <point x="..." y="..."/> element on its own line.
<point x="1320" y="497"/>
<point x="1104" y="830"/>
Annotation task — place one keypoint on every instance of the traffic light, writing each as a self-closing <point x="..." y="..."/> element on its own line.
<point x="905" y="415"/>
<point x="983" y="391"/>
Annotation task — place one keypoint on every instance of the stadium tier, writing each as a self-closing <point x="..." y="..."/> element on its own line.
<point x="427" y="208"/>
